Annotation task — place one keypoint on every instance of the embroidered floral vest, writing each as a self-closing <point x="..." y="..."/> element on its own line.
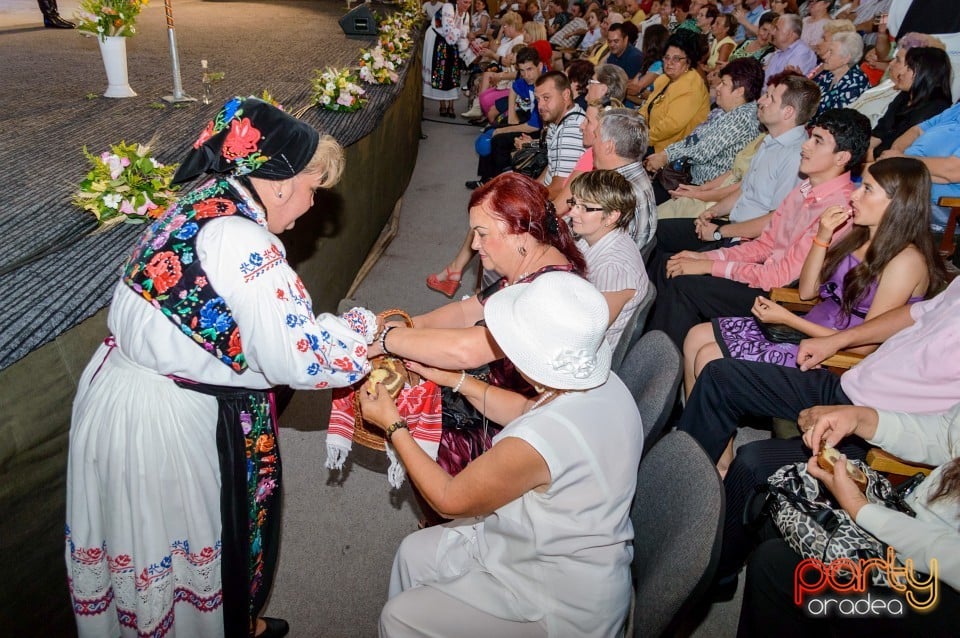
<point x="165" y="271"/>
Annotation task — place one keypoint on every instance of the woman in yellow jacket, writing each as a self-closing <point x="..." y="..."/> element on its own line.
<point x="679" y="101"/>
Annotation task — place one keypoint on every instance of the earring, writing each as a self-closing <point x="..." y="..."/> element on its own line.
<point x="279" y="194"/>
<point x="522" y="250"/>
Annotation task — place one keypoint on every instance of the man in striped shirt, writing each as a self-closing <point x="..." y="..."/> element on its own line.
<point x="564" y="138"/>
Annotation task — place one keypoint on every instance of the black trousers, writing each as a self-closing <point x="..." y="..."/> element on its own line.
<point x="769" y="610"/>
<point x="501" y="147"/>
<point x="676" y="235"/>
<point x="728" y="389"/>
<point x="685" y="301"/>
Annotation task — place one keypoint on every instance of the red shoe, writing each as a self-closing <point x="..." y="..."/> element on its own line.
<point x="447" y="286"/>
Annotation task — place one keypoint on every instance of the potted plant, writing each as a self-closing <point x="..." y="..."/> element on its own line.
<point x="112" y="22"/>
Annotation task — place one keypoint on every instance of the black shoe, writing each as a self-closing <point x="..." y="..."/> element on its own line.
<point x="480" y="121"/>
<point x="56" y="22"/>
<point x="475" y="183"/>
<point x="276" y="628"/>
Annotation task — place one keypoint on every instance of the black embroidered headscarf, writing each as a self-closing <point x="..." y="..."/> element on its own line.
<point x="250" y="137"/>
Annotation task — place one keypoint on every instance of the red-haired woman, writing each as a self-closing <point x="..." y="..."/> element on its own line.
<point x="516" y="231"/>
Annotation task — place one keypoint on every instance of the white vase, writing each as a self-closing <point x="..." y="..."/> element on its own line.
<point x="113" y="49"/>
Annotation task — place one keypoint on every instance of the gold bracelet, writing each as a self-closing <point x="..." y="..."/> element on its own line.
<point x="822" y="244"/>
<point x="393" y="427"/>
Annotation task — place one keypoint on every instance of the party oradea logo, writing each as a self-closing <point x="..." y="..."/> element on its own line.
<point x="841" y="588"/>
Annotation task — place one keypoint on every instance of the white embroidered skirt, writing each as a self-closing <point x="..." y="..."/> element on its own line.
<point x="143" y="505"/>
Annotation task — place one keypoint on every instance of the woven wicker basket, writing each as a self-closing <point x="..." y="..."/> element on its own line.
<point x="363" y="433"/>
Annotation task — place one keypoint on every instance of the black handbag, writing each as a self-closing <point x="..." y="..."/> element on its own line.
<point x="530" y="159"/>
<point x="781" y="333"/>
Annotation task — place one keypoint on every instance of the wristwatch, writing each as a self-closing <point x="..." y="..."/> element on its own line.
<point x="716" y="235"/>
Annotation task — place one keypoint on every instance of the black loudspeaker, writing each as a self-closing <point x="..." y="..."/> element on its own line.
<point x="359" y="21"/>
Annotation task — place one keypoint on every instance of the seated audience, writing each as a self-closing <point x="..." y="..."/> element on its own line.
<point x="922" y="77"/>
<point x="564" y="139"/>
<point x="791" y="50"/>
<point x="621" y="39"/>
<point x="679" y="100"/>
<point x="511" y="33"/>
<point x="831" y="28"/>
<point x="749" y="18"/>
<point x="535" y="35"/>
<point x="931" y="538"/>
<point x="710" y="149"/>
<point x="580" y="72"/>
<point x="819" y="15"/>
<point x="723" y="44"/>
<point x="568" y="36"/>
<point x="760" y="46"/>
<point x="522" y="117"/>
<point x="541" y="544"/>
<point x="886" y="260"/>
<point x="738" y="274"/>
<point x="620" y="137"/>
<point x="479" y="20"/>
<point x="493" y="89"/>
<point x="937" y="143"/>
<point x="654" y="44"/>
<point x="601" y="208"/>
<point x="841" y="81"/>
<point x="557" y="16"/>
<point x="593" y="34"/>
<point x="518" y="236"/>
<point x="880" y="264"/>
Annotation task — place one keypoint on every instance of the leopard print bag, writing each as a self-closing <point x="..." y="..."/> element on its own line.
<point x="816" y="527"/>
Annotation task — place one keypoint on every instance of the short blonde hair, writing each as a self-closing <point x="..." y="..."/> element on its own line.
<point x="328" y="162"/>
<point x="513" y="19"/>
<point x="535" y="30"/>
<point x="610" y="190"/>
<point x="838" y="26"/>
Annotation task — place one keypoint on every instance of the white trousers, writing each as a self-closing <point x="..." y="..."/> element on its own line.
<point x="418" y="607"/>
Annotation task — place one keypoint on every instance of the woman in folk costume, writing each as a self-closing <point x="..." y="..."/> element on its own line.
<point x="445" y="50"/>
<point x="173" y="483"/>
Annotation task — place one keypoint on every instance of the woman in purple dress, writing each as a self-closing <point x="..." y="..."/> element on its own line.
<point x="882" y="259"/>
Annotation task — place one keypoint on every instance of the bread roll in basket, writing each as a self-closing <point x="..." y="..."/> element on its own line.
<point x="392" y="375"/>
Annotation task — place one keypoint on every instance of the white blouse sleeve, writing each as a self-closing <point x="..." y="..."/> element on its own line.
<point x="280" y="336"/>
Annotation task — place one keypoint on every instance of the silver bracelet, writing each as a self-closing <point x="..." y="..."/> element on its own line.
<point x="383" y="340"/>
<point x="463" y="377"/>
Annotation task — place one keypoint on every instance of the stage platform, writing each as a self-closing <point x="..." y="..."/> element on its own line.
<point x="57" y="274"/>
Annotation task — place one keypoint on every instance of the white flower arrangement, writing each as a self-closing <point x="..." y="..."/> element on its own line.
<point x="337" y="90"/>
<point x="377" y="66"/>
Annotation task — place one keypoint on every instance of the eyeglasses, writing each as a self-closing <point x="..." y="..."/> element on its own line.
<point x="592" y="81"/>
<point x="674" y="58"/>
<point x="573" y="203"/>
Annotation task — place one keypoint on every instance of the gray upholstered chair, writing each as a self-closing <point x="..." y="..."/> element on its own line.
<point x="678" y="527"/>
<point x="652" y="370"/>
<point x="631" y="332"/>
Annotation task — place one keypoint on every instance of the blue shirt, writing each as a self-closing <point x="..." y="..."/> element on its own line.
<point x="940" y="138"/>
<point x="630" y="61"/>
<point x="526" y="101"/>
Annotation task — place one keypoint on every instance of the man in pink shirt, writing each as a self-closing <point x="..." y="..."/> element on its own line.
<point x="736" y="275"/>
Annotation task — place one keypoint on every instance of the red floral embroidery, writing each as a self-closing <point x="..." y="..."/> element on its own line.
<point x="360" y="351"/>
<point x="214" y="207"/>
<point x="303" y="345"/>
<point x="234" y="347"/>
<point x="321" y="385"/>
<point x="343" y="363"/>
<point x="164" y="270"/>
<point x="281" y="294"/>
<point x="241" y="140"/>
<point x="205" y="135"/>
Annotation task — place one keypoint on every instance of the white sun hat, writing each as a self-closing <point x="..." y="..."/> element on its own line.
<point x="552" y="329"/>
